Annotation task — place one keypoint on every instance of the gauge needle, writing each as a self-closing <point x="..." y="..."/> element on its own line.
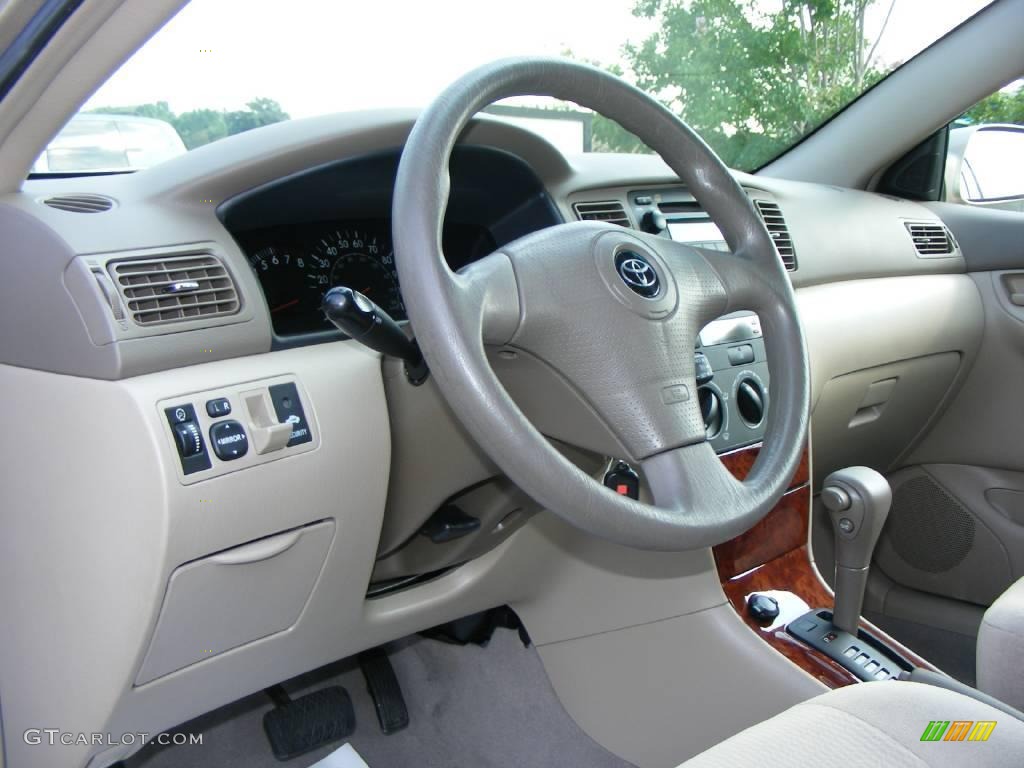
<point x="287" y="304"/>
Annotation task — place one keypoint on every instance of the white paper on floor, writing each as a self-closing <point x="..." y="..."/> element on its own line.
<point x="343" y="757"/>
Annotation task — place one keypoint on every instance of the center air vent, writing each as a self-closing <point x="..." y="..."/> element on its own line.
<point x="175" y="289"/>
<point x="84" y="203"/>
<point x="930" y="238"/>
<point x="608" y="210"/>
<point x="772" y="216"/>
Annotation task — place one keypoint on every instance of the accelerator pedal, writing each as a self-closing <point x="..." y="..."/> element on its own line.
<point x="381" y="682"/>
<point x="297" y="726"/>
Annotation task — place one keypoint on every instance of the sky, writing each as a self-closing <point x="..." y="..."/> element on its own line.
<point x="322" y="56"/>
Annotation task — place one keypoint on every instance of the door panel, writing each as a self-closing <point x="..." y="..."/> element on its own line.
<point x="946" y="538"/>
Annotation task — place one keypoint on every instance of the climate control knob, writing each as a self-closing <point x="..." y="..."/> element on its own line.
<point x="750" y="400"/>
<point x="712" y="410"/>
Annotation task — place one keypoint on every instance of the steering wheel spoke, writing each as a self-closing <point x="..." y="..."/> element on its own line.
<point x="487" y="297"/>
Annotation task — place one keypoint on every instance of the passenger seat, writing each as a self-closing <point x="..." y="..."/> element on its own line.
<point x="1001" y="648"/>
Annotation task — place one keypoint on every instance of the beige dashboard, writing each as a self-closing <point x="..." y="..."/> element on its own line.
<point x="144" y="559"/>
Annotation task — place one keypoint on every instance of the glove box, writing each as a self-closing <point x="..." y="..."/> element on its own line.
<point x="234" y="597"/>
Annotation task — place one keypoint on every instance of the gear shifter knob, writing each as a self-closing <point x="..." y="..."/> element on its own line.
<point x="858" y="501"/>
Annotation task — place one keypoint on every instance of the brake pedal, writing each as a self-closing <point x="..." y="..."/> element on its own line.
<point x="381" y="682"/>
<point x="297" y="726"/>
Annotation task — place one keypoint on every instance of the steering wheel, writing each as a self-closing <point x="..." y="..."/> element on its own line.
<point x="614" y="312"/>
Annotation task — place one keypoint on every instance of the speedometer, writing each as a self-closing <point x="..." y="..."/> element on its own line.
<point x="360" y="259"/>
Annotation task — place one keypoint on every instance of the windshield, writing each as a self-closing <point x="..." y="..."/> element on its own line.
<point x="753" y="77"/>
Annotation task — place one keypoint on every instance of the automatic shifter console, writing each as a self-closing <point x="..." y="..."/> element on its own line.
<point x="858" y="501"/>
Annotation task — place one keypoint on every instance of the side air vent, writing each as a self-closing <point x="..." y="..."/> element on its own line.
<point x="776" y="225"/>
<point x="608" y="210"/>
<point x="930" y="238"/>
<point x="175" y="289"/>
<point x="80" y="203"/>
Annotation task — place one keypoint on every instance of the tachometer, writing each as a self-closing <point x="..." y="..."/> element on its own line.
<point x="283" y="277"/>
<point x="363" y="261"/>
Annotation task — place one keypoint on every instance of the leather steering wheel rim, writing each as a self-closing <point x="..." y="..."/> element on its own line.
<point x="647" y="394"/>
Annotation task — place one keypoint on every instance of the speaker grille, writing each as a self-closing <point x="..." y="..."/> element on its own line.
<point x="928" y="528"/>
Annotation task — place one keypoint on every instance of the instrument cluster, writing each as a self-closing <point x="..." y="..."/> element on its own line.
<point x="297" y="264"/>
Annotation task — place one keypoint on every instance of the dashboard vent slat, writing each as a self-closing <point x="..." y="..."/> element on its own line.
<point x="771" y="214"/>
<point x="930" y="238"/>
<point x="610" y="211"/>
<point x="147" y="288"/>
<point x="84" y="203"/>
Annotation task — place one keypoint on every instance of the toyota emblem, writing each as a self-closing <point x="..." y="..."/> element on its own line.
<point x="638" y="274"/>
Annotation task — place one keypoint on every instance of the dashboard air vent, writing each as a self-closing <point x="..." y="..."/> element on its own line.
<point x="772" y="216"/>
<point x="84" y="203"/>
<point x="608" y="210"/>
<point x="175" y="289"/>
<point x="930" y="238"/>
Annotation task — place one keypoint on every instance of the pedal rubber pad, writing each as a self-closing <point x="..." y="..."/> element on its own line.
<point x="310" y="721"/>
<point x="392" y="714"/>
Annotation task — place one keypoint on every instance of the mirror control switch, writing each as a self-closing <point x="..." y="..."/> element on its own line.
<point x="218" y="407"/>
<point x="229" y="440"/>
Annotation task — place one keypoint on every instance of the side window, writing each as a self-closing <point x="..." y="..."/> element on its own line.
<point x="985" y="162"/>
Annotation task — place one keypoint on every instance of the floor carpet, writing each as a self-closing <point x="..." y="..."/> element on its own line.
<point x="469" y="707"/>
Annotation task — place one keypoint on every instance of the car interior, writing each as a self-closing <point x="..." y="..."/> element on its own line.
<point x="404" y="436"/>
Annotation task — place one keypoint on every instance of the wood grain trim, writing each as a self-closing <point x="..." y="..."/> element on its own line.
<point x="782" y="530"/>
<point x="740" y="462"/>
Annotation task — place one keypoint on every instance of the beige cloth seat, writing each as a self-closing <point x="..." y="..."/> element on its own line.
<point x="871" y="724"/>
<point x="1000" y="652"/>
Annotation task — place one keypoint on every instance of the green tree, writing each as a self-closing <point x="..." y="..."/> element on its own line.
<point x="1000" y="107"/>
<point x="202" y="126"/>
<point x="258" y="112"/>
<point x="750" y="76"/>
<point x="158" y="110"/>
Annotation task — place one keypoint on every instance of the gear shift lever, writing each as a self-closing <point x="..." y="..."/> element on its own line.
<point x="858" y="501"/>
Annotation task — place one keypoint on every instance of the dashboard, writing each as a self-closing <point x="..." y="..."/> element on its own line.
<point x="330" y="226"/>
<point x="384" y="455"/>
